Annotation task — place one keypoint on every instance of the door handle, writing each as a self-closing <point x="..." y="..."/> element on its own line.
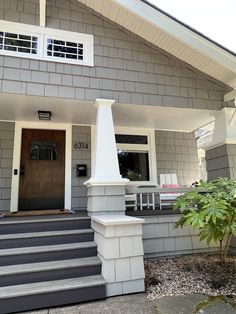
<point x="22" y="170"/>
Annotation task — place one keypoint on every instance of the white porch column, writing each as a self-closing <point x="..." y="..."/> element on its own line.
<point x="106" y="188"/>
<point x="118" y="237"/>
<point x="106" y="168"/>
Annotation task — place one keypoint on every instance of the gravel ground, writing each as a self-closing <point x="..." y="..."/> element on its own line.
<point x="192" y="274"/>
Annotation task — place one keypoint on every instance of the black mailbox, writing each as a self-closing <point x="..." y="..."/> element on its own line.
<point x="81" y="170"/>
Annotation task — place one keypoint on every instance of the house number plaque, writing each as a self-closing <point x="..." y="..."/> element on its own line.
<point x="81" y="145"/>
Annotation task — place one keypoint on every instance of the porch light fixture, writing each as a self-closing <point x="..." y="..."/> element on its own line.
<point x="44" y="115"/>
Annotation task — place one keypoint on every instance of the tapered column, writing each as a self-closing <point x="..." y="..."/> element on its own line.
<point x="106" y="188"/>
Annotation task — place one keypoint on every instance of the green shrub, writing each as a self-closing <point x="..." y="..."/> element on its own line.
<point x="211" y="208"/>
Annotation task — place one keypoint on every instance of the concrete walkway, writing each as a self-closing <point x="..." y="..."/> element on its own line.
<point x="138" y="304"/>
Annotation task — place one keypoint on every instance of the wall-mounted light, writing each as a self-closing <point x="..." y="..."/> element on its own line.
<point x="44" y="115"/>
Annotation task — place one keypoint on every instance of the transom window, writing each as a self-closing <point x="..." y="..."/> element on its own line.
<point x="18" y="43"/>
<point x="30" y="41"/>
<point x="65" y="49"/>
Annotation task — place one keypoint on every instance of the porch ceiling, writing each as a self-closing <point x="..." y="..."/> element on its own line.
<point x="24" y="108"/>
<point x="165" y="32"/>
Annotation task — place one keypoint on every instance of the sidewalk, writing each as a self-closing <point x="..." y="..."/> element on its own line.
<point x="138" y="304"/>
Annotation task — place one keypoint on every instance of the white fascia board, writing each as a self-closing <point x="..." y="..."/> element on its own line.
<point x="179" y="32"/>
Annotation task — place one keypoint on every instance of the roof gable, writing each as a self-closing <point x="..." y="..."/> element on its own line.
<point x="170" y="35"/>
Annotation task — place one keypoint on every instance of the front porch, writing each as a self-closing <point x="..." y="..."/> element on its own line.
<point x="170" y="146"/>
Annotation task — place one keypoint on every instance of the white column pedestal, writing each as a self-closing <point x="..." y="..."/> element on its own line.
<point x="120" y="248"/>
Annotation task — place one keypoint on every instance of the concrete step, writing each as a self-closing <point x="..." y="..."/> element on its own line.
<point x="36" y="254"/>
<point x="38" y="224"/>
<point x="47" y="271"/>
<point x="45" y="238"/>
<point x="51" y="293"/>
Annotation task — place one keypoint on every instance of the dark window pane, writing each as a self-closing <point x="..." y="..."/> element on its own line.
<point x="68" y="43"/>
<point x="34" y="51"/>
<point x="134" y="165"/>
<point x="11" y="35"/>
<point x="43" y="150"/>
<point x="25" y="50"/>
<point x="34" y="45"/>
<point x="22" y="43"/>
<point x="71" y="56"/>
<point x="10" y="48"/>
<point x="80" y="45"/>
<point x="9" y="41"/>
<point x="58" y="54"/>
<point x="80" y="57"/>
<point x="49" y="53"/>
<point x="59" y="42"/>
<point x="131" y="139"/>
<point x="25" y="37"/>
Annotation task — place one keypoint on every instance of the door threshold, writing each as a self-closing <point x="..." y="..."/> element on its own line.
<point x="43" y="212"/>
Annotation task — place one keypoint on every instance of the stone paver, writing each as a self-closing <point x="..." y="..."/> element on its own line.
<point x="180" y="304"/>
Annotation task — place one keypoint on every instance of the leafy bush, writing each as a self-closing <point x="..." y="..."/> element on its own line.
<point x="211" y="208"/>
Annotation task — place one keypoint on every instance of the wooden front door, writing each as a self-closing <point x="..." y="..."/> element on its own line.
<point x="42" y="169"/>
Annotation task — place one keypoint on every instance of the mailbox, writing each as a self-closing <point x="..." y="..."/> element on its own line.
<point x="81" y="170"/>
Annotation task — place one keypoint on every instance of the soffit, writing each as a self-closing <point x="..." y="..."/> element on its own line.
<point x="164" y="32"/>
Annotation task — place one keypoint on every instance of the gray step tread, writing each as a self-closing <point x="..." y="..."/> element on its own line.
<point x="46" y="266"/>
<point x="50" y="286"/>
<point x="6" y="221"/>
<point x="44" y="234"/>
<point x="47" y="248"/>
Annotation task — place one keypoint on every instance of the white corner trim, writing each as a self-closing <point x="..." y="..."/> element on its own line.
<point x="19" y="125"/>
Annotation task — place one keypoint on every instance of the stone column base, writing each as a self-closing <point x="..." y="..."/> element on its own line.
<point x="120" y="248"/>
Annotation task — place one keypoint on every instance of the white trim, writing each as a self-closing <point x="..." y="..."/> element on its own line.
<point x="150" y="148"/>
<point x="42" y="18"/>
<point x="19" y="125"/>
<point x="230" y="96"/>
<point x="42" y="33"/>
<point x="227" y="141"/>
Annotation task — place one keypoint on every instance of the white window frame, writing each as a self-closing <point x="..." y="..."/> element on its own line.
<point x="43" y="33"/>
<point x="150" y="148"/>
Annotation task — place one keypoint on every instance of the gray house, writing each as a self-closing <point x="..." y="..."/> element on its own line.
<point x="98" y="97"/>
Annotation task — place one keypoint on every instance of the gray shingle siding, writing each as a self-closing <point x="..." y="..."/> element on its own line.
<point x="6" y="155"/>
<point x="176" y="152"/>
<point x="126" y="69"/>
<point x="80" y="156"/>
<point x="221" y="162"/>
